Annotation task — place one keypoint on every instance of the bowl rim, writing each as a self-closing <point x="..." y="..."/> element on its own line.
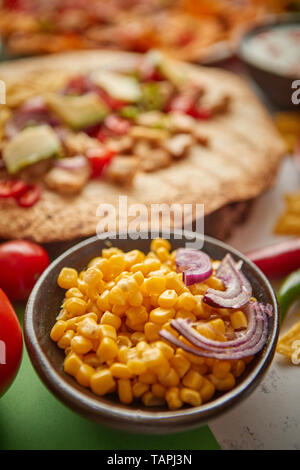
<point x="270" y="22"/>
<point x="86" y="405"/>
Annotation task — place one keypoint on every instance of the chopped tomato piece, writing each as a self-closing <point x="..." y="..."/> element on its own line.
<point x="186" y="104"/>
<point x="30" y="196"/>
<point x="116" y="124"/>
<point x="79" y="85"/>
<point x="12" y="188"/>
<point x="111" y="102"/>
<point x="99" y="159"/>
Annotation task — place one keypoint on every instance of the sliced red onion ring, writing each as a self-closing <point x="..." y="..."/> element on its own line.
<point x="33" y="111"/>
<point x="254" y="345"/>
<point x="194" y="264"/>
<point x="71" y="163"/>
<point x="238" y="290"/>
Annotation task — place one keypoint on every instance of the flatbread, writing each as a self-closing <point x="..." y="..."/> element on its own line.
<point x="240" y="162"/>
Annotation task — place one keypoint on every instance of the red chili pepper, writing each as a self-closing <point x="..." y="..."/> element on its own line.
<point x="12" y="188"/>
<point x="11" y="343"/>
<point x="99" y="159"/>
<point x="30" y="196"/>
<point x="277" y="260"/>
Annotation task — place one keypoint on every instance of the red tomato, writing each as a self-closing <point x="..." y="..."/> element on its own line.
<point x="11" y="343"/>
<point x="99" y="159"/>
<point x="116" y="124"/>
<point x="21" y="264"/>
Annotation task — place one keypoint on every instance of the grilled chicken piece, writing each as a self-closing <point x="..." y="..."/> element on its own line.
<point x="67" y="181"/>
<point x="151" y="158"/>
<point x="146" y="133"/>
<point x="121" y="144"/>
<point x="122" y="169"/>
<point x="178" y="145"/>
<point x="78" y="144"/>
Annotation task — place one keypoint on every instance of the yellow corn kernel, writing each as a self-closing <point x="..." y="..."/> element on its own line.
<point x="153" y="358"/>
<point x="65" y="340"/>
<point x="238" y="367"/>
<point x="207" y="390"/>
<point x="107" y="331"/>
<point x="75" y="306"/>
<point x="81" y="345"/>
<point x="138" y="276"/>
<point x="181" y="364"/>
<point x="169" y="379"/>
<point x="165" y="348"/>
<point x="192" y="379"/>
<point x="108" y="252"/>
<point x="88" y="328"/>
<point x="137" y="366"/>
<point x="93" y="290"/>
<point x="151" y="331"/>
<point x="192" y="397"/>
<point x="151" y="400"/>
<point x="221" y="368"/>
<point x="108" y="349"/>
<point x="128" y="284"/>
<point x="209" y="361"/>
<point x="198" y="289"/>
<point x="117" y="296"/>
<point x="136" y="315"/>
<point x="174" y="282"/>
<point x="151" y="264"/>
<point x="167" y="326"/>
<point x="201" y="368"/>
<point x="133" y="257"/>
<point x="135" y="299"/>
<point x="102" y="382"/>
<point x="111" y="319"/>
<point x="120" y="371"/>
<point x="92" y="360"/>
<point x="138" y="389"/>
<point x="238" y="320"/>
<point x="84" y="375"/>
<point x="224" y="384"/>
<point x="137" y="337"/>
<point x="93" y="276"/>
<point x="117" y="264"/>
<point x="67" y="278"/>
<point x="167" y="299"/>
<point x="206" y="330"/>
<point x="196" y="360"/>
<point x="218" y="325"/>
<point x="215" y="283"/>
<point x="73" y="322"/>
<point x="103" y="301"/>
<point x="163" y="254"/>
<point x="173" y="398"/>
<point x="185" y="314"/>
<point x="119" y="310"/>
<point x="158" y="390"/>
<point x="125" y="391"/>
<point x="155" y="285"/>
<point x="103" y="265"/>
<point x="58" y="330"/>
<point x="157" y="243"/>
<point x="82" y="286"/>
<point x="123" y="341"/>
<point x="72" y="363"/>
<point x="186" y="301"/>
<point x="148" y="378"/>
<point x="161" y="315"/>
<point x="73" y="292"/>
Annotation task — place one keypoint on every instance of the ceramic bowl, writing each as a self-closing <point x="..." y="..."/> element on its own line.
<point x="47" y="359"/>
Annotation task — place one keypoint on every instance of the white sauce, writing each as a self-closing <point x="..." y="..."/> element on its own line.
<point x="276" y="49"/>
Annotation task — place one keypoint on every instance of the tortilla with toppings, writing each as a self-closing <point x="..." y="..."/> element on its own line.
<point x="88" y="127"/>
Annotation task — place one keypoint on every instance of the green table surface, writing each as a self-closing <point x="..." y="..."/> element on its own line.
<point x="32" y="418"/>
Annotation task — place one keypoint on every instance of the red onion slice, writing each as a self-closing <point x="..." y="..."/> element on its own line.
<point x="195" y="265"/>
<point x="238" y="290"/>
<point x="72" y="163"/>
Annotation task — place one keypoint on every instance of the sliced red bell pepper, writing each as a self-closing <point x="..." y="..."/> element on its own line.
<point x="12" y="188"/>
<point x="30" y="196"/>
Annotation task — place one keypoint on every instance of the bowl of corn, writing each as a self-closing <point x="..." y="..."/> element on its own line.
<point x="92" y="329"/>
